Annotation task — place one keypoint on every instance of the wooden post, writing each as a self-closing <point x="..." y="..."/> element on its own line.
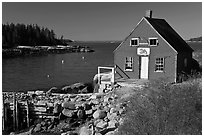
<point x="99" y="75"/>
<point x="3" y="113"/>
<point x="27" y="113"/>
<point x="17" y="116"/>
<point x="14" y="111"/>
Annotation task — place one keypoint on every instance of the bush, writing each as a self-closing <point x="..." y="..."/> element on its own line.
<point x="165" y="109"/>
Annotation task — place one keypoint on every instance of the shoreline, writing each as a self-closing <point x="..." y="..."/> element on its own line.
<point x="79" y="112"/>
<point x="24" y="51"/>
<point x="89" y="84"/>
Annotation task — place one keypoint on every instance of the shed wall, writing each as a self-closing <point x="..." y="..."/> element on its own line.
<point x="163" y="50"/>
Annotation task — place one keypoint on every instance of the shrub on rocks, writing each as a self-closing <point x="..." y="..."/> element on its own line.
<point x="99" y="114"/>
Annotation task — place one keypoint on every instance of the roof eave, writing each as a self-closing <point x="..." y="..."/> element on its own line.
<point x="129" y="34"/>
<point x="161" y="36"/>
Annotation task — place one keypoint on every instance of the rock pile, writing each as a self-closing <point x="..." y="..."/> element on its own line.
<point x="82" y="114"/>
<point x="96" y="114"/>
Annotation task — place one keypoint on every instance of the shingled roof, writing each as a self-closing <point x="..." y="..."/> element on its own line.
<point x="169" y="34"/>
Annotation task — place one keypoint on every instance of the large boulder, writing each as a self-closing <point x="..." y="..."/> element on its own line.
<point x="37" y="128"/>
<point x="112" y="116"/>
<point x="85" y="131"/>
<point x="110" y="133"/>
<point x="81" y="114"/>
<point x="99" y="114"/>
<point x="69" y="105"/>
<point x="95" y="102"/>
<point x="107" y="99"/>
<point x="86" y="106"/>
<point x="38" y="92"/>
<point x="96" y="88"/>
<point x="112" y="110"/>
<point x="68" y="113"/>
<point x="84" y="90"/>
<point x="52" y="90"/>
<point x="89" y="112"/>
<point x="78" y="86"/>
<point x="67" y="89"/>
<point x="95" y="96"/>
<point x="113" y="124"/>
<point x="102" y="124"/>
<point x="57" y="108"/>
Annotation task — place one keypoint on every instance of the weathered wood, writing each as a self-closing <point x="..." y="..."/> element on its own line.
<point x="14" y="111"/>
<point x="3" y="114"/>
<point x="17" y="116"/>
<point x="27" y="114"/>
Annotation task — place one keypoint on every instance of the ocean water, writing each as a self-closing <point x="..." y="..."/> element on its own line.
<point x="44" y="72"/>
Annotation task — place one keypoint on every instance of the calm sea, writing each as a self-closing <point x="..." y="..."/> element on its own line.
<point x="43" y="72"/>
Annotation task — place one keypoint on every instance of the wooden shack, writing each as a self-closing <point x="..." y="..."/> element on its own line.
<point x="152" y="50"/>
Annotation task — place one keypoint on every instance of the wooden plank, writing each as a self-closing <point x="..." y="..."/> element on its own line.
<point x="49" y="117"/>
<point x="3" y="114"/>
<point x="14" y="111"/>
<point x="41" y="109"/>
<point x="17" y="116"/>
<point x="27" y="114"/>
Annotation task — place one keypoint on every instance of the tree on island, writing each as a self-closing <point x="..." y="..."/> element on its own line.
<point x="14" y="35"/>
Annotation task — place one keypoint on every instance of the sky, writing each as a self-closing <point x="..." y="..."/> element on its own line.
<point x="99" y="21"/>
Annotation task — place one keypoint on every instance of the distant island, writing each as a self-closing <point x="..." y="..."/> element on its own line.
<point x="198" y="39"/>
<point x="26" y="40"/>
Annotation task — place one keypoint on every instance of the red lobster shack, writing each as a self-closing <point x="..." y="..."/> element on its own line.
<point x="152" y="50"/>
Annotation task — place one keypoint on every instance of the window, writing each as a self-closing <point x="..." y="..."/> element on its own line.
<point x="153" y="41"/>
<point x="134" y="42"/>
<point x="128" y="64"/>
<point x="159" y="65"/>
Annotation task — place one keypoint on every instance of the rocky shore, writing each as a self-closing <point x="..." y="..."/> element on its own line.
<point x="43" y="50"/>
<point x="76" y="114"/>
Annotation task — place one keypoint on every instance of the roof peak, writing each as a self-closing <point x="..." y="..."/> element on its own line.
<point x="154" y="18"/>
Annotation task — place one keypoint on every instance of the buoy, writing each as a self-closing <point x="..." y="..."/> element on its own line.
<point x="62" y="61"/>
<point x="83" y="57"/>
<point x="48" y="76"/>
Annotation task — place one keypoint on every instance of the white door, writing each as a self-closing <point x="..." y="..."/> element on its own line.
<point x="144" y="67"/>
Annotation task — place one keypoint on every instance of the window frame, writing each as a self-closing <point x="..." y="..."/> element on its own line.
<point x="134" y="39"/>
<point x="126" y="63"/>
<point x="152" y="38"/>
<point x="159" y="64"/>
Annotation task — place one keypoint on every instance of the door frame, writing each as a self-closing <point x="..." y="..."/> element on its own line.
<point x="140" y="64"/>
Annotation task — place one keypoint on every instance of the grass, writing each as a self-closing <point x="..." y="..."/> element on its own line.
<point x="165" y="109"/>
